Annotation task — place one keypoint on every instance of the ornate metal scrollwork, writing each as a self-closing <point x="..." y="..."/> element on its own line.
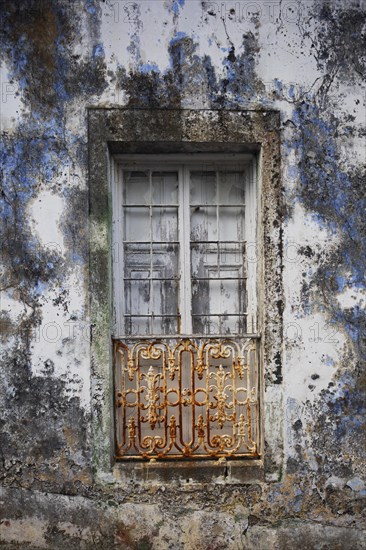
<point x="193" y="398"/>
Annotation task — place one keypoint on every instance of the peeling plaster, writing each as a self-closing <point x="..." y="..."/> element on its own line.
<point x="45" y="210"/>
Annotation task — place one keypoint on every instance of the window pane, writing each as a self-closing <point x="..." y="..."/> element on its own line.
<point x="136" y="187"/>
<point x="232" y="255"/>
<point x="165" y="187"/>
<point x="234" y="324"/>
<point x="231" y="187"/>
<point x="164" y="224"/>
<point x="165" y="261"/>
<point x="137" y="297"/>
<point x="228" y="294"/>
<point x="205" y="324"/>
<point x="203" y="223"/>
<point x="203" y="259"/>
<point x="137" y="326"/>
<point x="166" y="325"/>
<point x="203" y="187"/>
<point x="219" y="298"/>
<point x="151" y="288"/>
<point x="137" y="261"/>
<point x="136" y="224"/>
<point x="231" y="223"/>
<point x="165" y="297"/>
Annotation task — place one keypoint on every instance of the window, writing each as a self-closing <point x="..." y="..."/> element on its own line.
<point x="186" y="368"/>
<point x="126" y="425"/>
<point x="181" y="232"/>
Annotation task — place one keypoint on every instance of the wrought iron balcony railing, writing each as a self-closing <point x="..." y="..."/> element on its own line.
<point x="187" y="398"/>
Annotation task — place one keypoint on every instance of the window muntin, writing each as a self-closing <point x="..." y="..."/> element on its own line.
<point x="182" y="231"/>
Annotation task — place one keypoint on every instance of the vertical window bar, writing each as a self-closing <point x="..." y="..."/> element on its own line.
<point x="118" y="252"/>
<point x="184" y="241"/>
<point x="218" y="182"/>
<point x="250" y="228"/>
<point x="151" y="285"/>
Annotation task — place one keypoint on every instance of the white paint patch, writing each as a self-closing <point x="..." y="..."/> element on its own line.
<point x="45" y="211"/>
<point x="312" y="346"/>
<point x="11" y="105"/>
<point x="352" y="297"/>
<point x="311" y="362"/>
<point x="62" y="340"/>
<point x="11" y="306"/>
<point x="284" y="53"/>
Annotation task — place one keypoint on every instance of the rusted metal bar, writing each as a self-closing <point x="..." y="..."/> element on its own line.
<point x="190" y="398"/>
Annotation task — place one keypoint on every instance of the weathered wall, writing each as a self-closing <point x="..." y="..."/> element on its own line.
<point x="306" y="60"/>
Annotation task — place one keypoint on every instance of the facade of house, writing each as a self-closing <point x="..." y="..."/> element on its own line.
<point x="182" y="291"/>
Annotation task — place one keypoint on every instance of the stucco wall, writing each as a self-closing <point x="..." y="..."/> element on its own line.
<point x="305" y="60"/>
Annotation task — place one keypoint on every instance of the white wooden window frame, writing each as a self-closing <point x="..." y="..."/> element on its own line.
<point x="183" y="163"/>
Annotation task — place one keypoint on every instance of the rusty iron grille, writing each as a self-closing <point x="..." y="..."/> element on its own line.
<point x="187" y="398"/>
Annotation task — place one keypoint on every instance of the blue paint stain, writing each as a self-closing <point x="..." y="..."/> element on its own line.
<point x="292" y="172"/>
<point x="134" y="48"/>
<point x="328" y="192"/>
<point x="41" y="288"/>
<point x="177" y="38"/>
<point x="147" y="68"/>
<point x="328" y="361"/>
<point x="89" y="5"/>
<point x="278" y="86"/>
<point x="341" y="282"/>
<point x="39" y="146"/>
<point x="177" y="5"/>
<point x="291" y="91"/>
<point x="98" y="51"/>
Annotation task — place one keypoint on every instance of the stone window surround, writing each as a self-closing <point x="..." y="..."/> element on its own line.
<point x="139" y="131"/>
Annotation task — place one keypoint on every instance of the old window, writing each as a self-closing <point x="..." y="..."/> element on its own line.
<point x="160" y="414"/>
<point x="186" y="369"/>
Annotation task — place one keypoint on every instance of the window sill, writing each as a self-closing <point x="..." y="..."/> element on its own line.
<point x="181" y="473"/>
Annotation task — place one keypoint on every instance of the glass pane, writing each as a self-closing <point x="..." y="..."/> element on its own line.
<point x="136" y="187"/>
<point x="219" y="303"/>
<point x="232" y="256"/>
<point x="166" y="325"/>
<point x="137" y="325"/>
<point x="204" y="324"/>
<point x="165" y="297"/>
<point x="232" y="325"/>
<point x="137" y="297"/>
<point x="203" y="187"/>
<point x="137" y="261"/>
<point x="165" y="187"/>
<point x="165" y="261"/>
<point x="203" y="223"/>
<point x="164" y="224"/>
<point x="231" y="187"/>
<point x="200" y="297"/>
<point x="231" y="222"/>
<point x="136" y="224"/>
<point x="203" y="258"/>
<point x="227" y="294"/>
